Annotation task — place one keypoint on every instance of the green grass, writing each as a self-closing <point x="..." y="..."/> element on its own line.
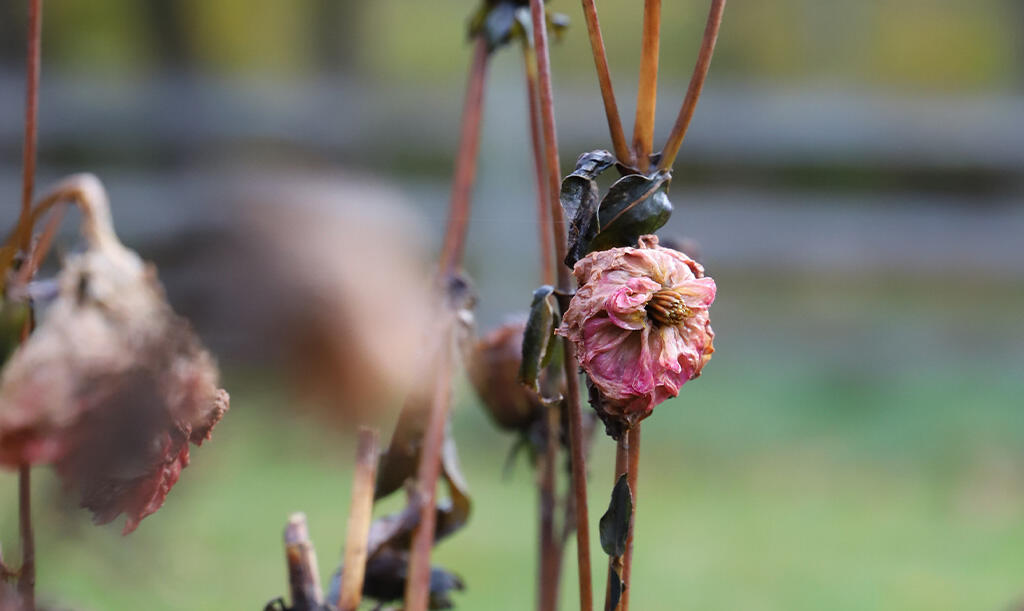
<point x="759" y="489"/>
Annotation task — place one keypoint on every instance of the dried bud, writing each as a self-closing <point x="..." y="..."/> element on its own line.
<point x="494" y="371"/>
<point x="112" y="386"/>
<point x="640" y="324"/>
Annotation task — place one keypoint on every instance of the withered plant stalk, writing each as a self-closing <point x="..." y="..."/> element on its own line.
<point x="27" y="573"/>
<point x="417" y="588"/>
<point x="417" y="591"/>
<point x="303" y="572"/>
<point x="547" y="262"/>
<point x="579" y="483"/>
<point x="621" y="468"/>
<point x="633" y="471"/>
<point x="550" y="545"/>
<point x="611" y="109"/>
<point x="647" y="93"/>
<point x="360" y="515"/>
<point x="700" y="72"/>
<point x="465" y="162"/>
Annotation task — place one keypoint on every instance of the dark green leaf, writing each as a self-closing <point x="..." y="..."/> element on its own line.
<point x="540" y="328"/>
<point x="634" y="206"/>
<point x="579" y="199"/>
<point x="614" y="524"/>
<point x="13" y="315"/>
<point x="615" y="583"/>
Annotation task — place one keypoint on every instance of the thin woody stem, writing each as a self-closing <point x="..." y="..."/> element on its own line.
<point x="621" y="468"/>
<point x="547" y="261"/>
<point x="32" y="62"/>
<point x="611" y="109"/>
<point x="550" y="545"/>
<point x="359" y="518"/>
<point x="465" y="162"/>
<point x="417" y="590"/>
<point x="633" y="470"/>
<point x="550" y="564"/>
<point x="647" y="93"/>
<point x="579" y="484"/>
<point x="700" y="73"/>
<point x="303" y="574"/>
<point x="27" y="574"/>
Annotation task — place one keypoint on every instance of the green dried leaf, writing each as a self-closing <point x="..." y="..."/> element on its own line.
<point x="13" y="315"/>
<point x="579" y="198"/>
<point x="540" y="330"/>
<point x="453" y="514"/>
<point x="634" y="206"/>
<point x="616" y="584"/>
<point x="614" y="524"/>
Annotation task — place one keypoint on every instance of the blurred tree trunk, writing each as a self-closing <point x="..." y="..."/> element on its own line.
<point x="337" y="31"/>
<point x="166" y="21"/>
<point x="13" y="19"/>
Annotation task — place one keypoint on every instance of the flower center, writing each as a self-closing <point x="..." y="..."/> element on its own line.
<point x="666" y="307"/>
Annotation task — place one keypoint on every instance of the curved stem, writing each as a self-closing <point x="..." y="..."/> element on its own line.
<point x="579" y="483"/>
<point x="465" y="162"/>
<point x="611" y="109"/>
<point x="647" y="93"/>
<point x="547" y="262"/>
<point x="700" y="73"/>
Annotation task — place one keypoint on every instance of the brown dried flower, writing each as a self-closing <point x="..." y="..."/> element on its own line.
<point x="113" y="385"/>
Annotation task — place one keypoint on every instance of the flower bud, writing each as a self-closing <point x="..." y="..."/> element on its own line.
<point x="494" y="372"/>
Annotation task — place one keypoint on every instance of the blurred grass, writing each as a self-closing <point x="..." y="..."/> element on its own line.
<point x="904" y="495"/>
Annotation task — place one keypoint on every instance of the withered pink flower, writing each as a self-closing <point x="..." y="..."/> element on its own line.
<point x="639" y="321"/>
<point x="112" y="386"/>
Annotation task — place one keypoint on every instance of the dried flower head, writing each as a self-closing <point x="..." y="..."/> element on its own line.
<point x="494" y="372"/>
<point x="112" y="386"/>
<point x="640" y="325"/>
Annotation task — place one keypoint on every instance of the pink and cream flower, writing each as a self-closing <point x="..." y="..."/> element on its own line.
<point x="639" y="321"/>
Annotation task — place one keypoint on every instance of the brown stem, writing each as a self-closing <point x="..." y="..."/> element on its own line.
<point x="579" y="483"/>
<point x="27" y="573"/>
<point x="417" y="591"/>
<point x="547" y="262"/>
<point x="359" y="518"/>
<point x="32" y="62"/>
<point x="633" y="450"/>
<point x="303" y="574"/>
<point x="700" y="73"/>
<point x="550" y="544"/>
<point x="611" y="109"/>
<point x="647" y="94"/>
<point x="465" y="162"/>
<point x="621" y="468"/>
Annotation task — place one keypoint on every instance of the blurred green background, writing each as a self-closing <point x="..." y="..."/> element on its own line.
<point x="854" y="177"/>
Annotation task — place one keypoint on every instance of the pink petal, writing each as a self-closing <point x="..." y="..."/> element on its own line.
<point x="626" y="305"/>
